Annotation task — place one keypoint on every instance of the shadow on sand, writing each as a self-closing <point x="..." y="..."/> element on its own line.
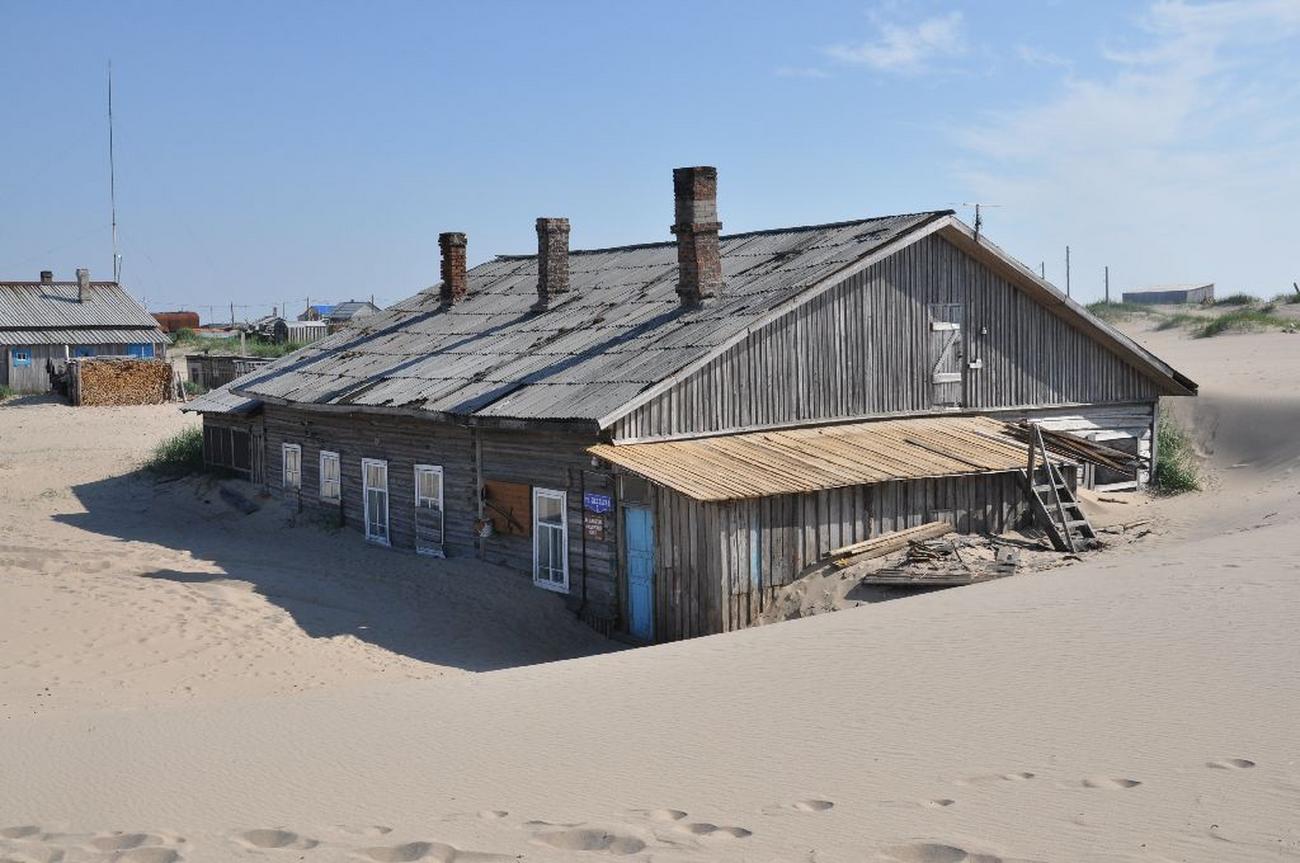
<point x="457" y="612"/>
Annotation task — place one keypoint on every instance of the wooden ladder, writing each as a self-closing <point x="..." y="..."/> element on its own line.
<point x="1054" y="504"/>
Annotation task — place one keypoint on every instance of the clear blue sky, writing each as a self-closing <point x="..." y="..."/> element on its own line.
<point x="278" y="151"/>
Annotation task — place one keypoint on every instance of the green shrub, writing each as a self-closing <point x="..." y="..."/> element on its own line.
<point x="1179" y="319"/>
<point x="5" y="392"/>
<point x="184" y="334"/>
<point x="1236" y="300"/>
<point x="179" y="455"/>
<point x="194" y="389"/>
<point x="1175" y="470"/>
<point x="1116" y="311"/>
<point x="1288" y="298"/>
<point x="1241" y="319"/>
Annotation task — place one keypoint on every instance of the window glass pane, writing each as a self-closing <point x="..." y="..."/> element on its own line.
<point x="550" y="510"/>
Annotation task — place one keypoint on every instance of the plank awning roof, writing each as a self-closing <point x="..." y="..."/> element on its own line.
<point x="792" y="461"/>
<point x="48" y="313"/>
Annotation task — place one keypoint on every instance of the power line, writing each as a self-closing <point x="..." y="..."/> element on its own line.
<point x="112" y="178"/>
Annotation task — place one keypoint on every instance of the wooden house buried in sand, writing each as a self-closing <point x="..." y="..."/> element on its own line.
<point x="666" y="433"/>
<point x="45" y="323"/>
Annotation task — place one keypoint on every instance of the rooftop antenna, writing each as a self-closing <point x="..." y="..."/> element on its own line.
<point x="112" y="178"/>
<point x="979" y="214"/>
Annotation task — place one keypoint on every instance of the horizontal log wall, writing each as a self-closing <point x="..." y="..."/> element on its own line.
<point x="718" y="565"/>
<point x="862" y="349"/>
<point x="541" y="457"/>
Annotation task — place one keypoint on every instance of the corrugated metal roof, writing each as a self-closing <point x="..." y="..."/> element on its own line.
<point x="86" y="336"/>
<point x="54" y="304"/>
<point x="758" y="464"/>
<point x="221" y="401"/>
<point x="346" y="311"/>
<point x="619" y="330"/>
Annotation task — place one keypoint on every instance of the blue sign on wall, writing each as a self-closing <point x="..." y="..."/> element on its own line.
<point x="593" y="502"/>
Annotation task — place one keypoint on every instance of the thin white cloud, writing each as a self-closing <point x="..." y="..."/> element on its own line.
<point x="1038" y="57"/>
<point x="1181" y="146"/>
<point x="800" y="72"/>
<point x="909" y="49"/>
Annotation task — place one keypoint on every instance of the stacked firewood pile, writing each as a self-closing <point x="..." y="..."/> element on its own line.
<point x="120" y="381"/>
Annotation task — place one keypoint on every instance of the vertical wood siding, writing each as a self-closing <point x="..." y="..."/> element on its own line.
<point x="862" y="349"/>
<point x="719" y="565"/>
<point x="541" y="457"/>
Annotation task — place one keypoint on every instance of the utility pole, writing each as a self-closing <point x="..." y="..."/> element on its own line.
<point x="232" y="314"/>
<point x="1108" y="284"/>
<point x="112" y="179"/>
<point x="1067" y="271"/>
<point x="1042" y="270"/>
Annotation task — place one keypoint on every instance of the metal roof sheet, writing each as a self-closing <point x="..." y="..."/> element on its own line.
<point x="758" y="464"/>
<point x="82" y="336"/>
<point x="54" y="304"/>
<point x="617" y="331"/>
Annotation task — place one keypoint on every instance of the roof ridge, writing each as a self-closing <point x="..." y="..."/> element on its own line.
<point x="742" y="234"/>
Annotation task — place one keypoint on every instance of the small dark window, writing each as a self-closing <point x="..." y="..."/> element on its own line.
<point x="240" y="450"/>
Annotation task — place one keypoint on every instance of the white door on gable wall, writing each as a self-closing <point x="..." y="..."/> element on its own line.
<point x="947" y="355"/>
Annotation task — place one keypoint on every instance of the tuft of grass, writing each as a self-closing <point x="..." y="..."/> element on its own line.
<point x="1179" y="319"/>
<point x="179" y="455"/>
<point x="1287" y="298"/>
<point x="1236" y="300"/>
<point x="230" y="345"/>
<point x="184" y="334"/>
<point x="194" y="389"/>
<point x="1116" y="311"/>
<point x="5" y="392"/>
<point x="1175" y="471"/>
<point x="1241" y="319"/>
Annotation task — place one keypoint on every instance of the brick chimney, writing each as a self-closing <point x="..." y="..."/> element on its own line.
<point x="83" y="284"/>
<point x="454" y="283"/>
<point x="552" y="259"/>
<point x="47" y="276"/>
<point x="699" y="260"/>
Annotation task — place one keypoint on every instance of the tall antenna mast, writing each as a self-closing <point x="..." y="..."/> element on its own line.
<point x="112" y="178"/>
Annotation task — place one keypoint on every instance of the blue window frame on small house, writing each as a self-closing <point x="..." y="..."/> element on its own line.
<point x="21" y="356"/>
<point x="141" y="351"/>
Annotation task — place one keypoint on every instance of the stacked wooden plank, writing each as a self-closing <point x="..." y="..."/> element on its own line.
<point x="119" y="381"/>
<point x="1075" y="448"/>
<point x="887" y="544"/>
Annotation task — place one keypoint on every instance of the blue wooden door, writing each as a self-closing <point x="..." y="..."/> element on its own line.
<point x="640" y="571"/>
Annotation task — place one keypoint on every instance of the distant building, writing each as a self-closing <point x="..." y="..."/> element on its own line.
<point x="173" y="321"/>
<point x="1169" y="295"/>
<point x="345" y="313"/>
<point x="45" y="323"/>
<point x="317" y="312"/>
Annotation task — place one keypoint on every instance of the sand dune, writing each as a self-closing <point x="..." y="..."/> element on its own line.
<point x="1137" y="707"/>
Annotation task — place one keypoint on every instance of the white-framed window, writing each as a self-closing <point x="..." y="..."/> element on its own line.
<point x="428" y="509"/>
<point x="331" y="477"/>
<point x="374" y="491"/>
<point x="291" y="454"/>
<point x="551" y="539"/>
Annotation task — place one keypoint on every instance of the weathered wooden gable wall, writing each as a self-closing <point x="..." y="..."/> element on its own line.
<point x="862" y="349"/>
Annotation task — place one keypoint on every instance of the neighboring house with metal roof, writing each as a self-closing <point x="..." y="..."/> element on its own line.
<point x="1168" y="295"/>
<point x="343" y="314"/>
<point x="316" y="312"/>
<point x="45" y="323"/>
<point x="668" y="433"/>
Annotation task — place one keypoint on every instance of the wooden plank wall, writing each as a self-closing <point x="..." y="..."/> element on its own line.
<point x="539" y="457"/>
<point x="718" y="565"/>
<point x="36" y="379"/>
<point x="862" y="349"/>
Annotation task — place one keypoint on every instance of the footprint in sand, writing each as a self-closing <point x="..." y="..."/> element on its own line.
<point x="1231" y="764"/>
<point x="493" y="814"/>
<point x="124" y="841"/>
<point x="437" y="851"/>
<point x="812" y="805"/>
<point x="940" y="802"/>
<point x="661" y="815"/>
<point x="22" y="831"/>
<point x="148" y="855"/>
<point x="703" y="828"/>
<point x="271" y="838"/>
<point x="1020" y="776"/>
<point x="591" y="839"/>
<point x="1109" y="782"/>
<point x="935" y="852"/>
<point x="36" y="853"/>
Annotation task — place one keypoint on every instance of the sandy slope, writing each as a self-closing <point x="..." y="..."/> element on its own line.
<point x="1140" y="707"/>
